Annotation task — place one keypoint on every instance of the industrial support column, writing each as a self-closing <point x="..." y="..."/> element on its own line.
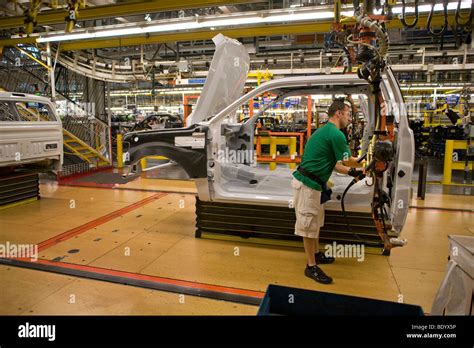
<point x="51" y="71"/>
<point x="310" y="118"/>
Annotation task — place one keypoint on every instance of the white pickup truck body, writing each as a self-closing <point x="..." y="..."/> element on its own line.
<point x="30" y="132"/>
<point x="212" y="131"/>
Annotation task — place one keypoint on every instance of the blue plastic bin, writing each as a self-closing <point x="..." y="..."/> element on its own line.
<point x="282" y="300"/>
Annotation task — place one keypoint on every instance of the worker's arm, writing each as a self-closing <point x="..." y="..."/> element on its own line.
<point x="352" y="162"/>
<point x="342" y="169"/>
<point x="342" y="153"/>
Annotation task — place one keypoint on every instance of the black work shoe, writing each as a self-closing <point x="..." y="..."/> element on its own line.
<point x="323" y="259"/>
<point x="316" y="273"/>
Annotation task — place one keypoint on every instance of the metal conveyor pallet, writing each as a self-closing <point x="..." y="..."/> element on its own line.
<point x="245" y="221"/>
<point x="18" y="187"/>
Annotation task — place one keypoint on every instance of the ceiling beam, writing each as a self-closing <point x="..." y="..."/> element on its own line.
<point x="117" y="10"/>
<point x="249" y="31"/>
<point x="267" y="30"/>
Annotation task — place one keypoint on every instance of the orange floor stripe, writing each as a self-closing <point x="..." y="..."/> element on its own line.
<point x="94" y="223"/>
<point x="196" y="287"/>
<point x="185" y="283"/>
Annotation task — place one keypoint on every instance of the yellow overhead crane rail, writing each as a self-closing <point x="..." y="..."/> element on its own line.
<point x="116" y="10"/>
<point x="240" y="32"/>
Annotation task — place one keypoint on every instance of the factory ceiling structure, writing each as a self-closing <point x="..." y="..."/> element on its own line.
<point x="122" y="41"/>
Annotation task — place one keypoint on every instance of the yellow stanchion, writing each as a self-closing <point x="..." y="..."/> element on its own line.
<point x="293" y="152"/>
<point x="273" y="152"/>
<point x="119" y="151"/>
<point x="450" y="162"/>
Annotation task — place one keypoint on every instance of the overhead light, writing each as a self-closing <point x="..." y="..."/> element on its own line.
<point x="428" y="88"/>
<point x="214" y="22"/>
<point x="175" y="91"/>
<point x="170" y="27"/>
<point x="232" y="21"/>
<point x="426" y="8"/>
<point x="197" y="22"/>
<point x="299" y="17"/>
<point x="72" y="36"/>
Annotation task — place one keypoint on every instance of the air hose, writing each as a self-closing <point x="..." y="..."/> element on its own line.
<point x="343" y="208"/>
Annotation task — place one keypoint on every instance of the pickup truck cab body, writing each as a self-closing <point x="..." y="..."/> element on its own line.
<point x="30" y="132"/>
<point x="213" y="132"/>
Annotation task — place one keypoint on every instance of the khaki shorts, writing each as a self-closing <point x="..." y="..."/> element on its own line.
<point x="309" y="210"/>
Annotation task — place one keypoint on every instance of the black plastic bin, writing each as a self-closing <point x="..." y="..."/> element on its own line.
<point x="281" y="300"/>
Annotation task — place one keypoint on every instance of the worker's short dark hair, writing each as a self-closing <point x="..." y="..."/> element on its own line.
<point x="336" y="105"/>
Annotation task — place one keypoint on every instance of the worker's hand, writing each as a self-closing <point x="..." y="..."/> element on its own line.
<point x="357" y="173"/>
<point x="354" y="162"/>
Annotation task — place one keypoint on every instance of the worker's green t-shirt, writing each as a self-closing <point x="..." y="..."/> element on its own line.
<point x="323" y="150"/>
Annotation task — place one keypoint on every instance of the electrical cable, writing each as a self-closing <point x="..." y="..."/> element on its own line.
<point x="443" y="29"/>
<point x="458" y="17"/>
<point x="403" y="16"/>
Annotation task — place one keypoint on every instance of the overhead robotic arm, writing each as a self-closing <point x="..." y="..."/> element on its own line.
<point x="371" y="42"/>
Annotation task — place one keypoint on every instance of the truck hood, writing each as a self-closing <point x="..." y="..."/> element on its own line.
<point x="225" y="80"/>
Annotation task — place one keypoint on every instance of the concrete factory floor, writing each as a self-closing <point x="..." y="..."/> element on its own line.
<point x="147" y="227"/>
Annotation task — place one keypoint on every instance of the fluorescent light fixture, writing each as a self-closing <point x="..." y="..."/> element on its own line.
<point x="429" y="88"/>
<point x="118" y="32"/>
<point x="232" y="21"/>
<point x="157" y="92"/>
<point x="179" y="92"/>
<point x="298" y="17"/>
<point x="214" y="22"/>
<point x="78" y="36"/>
<point x="434" y="84"/>
<point x="427" y="8"/>
<point x="171" y="27"/>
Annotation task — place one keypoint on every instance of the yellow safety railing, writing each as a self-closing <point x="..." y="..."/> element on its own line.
<point x="450" y="160"/>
